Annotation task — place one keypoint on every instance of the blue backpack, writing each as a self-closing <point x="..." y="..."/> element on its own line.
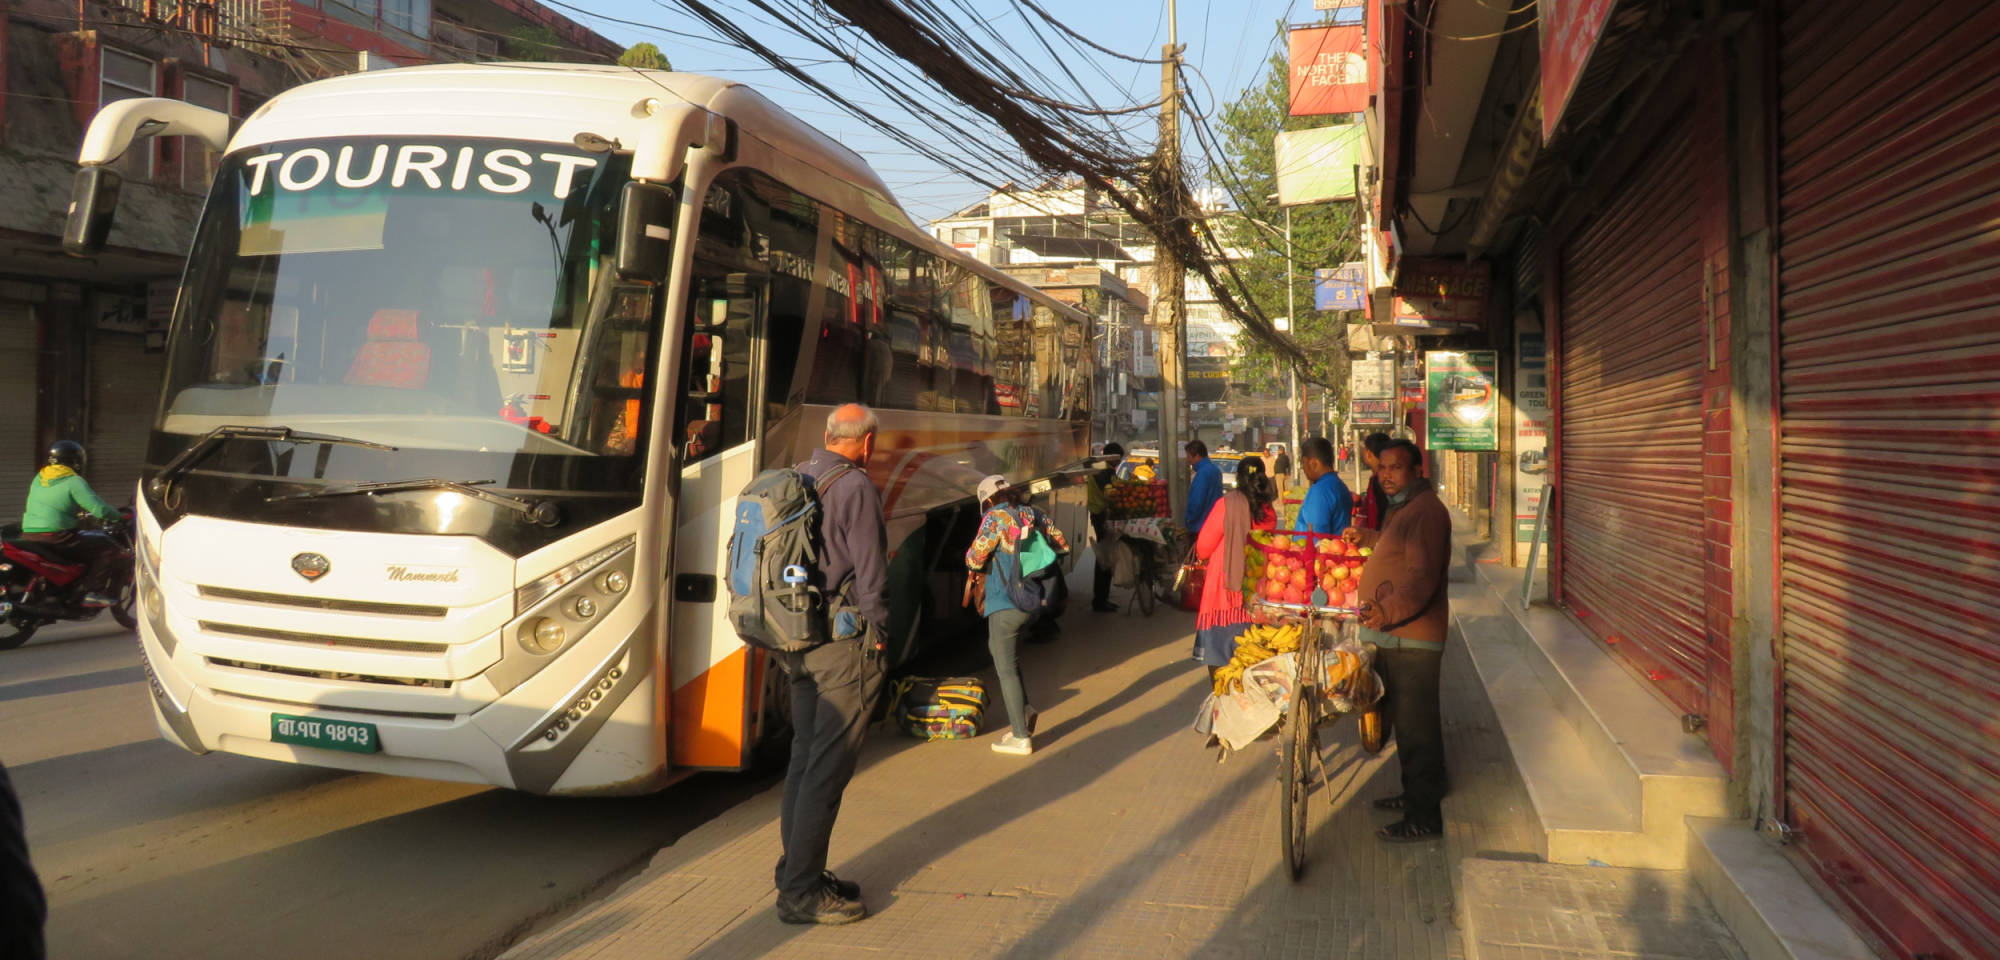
<point x="1042" y="594"/>
<point x="773" y="550"/>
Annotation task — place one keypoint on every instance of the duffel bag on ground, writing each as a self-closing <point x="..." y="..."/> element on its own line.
<point x="938" y="708"/>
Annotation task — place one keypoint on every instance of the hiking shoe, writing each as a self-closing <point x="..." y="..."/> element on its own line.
<point x="822" y="906"/>
<point x="1018" y="746"/>
<point x="844" y="889"/>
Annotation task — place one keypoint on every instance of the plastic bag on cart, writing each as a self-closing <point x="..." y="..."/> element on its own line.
<point x="1351" y="682"/>
<point x="1242" y="716"/>
<point x="1121" y="556"/>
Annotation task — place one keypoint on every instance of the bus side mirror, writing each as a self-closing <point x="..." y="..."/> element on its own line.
<point x="645" y="232"/>
<point x="92" y="202"/>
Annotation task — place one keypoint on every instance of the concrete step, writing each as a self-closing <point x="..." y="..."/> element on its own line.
<point x="1773" y="911"/>
<point x="1509" y="910"/>
<point x="1611" y="773"/>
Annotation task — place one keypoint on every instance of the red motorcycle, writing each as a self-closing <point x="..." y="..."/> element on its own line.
<point x="39" y="586"/>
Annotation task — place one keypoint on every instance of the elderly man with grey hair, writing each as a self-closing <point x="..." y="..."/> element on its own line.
<point x="833" y="686"/>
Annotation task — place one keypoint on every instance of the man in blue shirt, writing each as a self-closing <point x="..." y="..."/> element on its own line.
<point x="1204" y="488"/>
<point x="1329" y="506"/>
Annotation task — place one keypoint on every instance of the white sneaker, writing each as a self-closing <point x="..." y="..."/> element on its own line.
<point x="1018" y="746"/>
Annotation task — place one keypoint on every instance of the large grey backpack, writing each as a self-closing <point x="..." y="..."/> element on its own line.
<point x="773" y="551"/>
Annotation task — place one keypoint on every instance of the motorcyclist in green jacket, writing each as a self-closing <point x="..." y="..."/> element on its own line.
<point x="57" y="498"/>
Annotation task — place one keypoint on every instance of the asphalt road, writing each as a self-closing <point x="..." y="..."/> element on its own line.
<point x="148" y="851"/>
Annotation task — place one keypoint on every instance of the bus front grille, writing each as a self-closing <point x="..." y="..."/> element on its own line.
<point x="329" y="674"/>
<point x="322" y="639"/>
<point x="324" y="603"/>
<point x="267" y="702"/>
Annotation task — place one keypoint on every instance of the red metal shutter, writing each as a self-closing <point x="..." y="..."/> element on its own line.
<point x="22" y="338"/>
<point x="124" y="393"/>
<point x="1889" y="286"/>
<point x="1631" y="422"/>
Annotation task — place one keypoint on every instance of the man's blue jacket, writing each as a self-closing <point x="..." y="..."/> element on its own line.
<point x="1203" y="491"/>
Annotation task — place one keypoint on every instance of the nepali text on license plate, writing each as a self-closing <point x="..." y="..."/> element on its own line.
<point x="328" y="734"/>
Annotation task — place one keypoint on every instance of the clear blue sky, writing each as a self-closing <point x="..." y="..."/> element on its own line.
<point x="1228" y="43"/>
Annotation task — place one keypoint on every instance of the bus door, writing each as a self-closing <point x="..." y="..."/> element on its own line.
<point x="713" y="674"/>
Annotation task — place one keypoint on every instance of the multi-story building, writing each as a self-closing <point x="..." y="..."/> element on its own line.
<point x="84" y="336"/>
<point x="1067" y="226"/>
<point x="1121" y="324"/>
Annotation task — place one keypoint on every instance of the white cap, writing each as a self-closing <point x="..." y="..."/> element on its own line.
<point x="990" y="486"/>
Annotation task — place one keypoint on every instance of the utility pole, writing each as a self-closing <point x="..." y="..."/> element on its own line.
<point x="1170" y="308"/>
<point x="1292" y="404"/>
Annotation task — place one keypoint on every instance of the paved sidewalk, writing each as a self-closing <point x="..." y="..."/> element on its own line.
<point x="1120" y="837"/>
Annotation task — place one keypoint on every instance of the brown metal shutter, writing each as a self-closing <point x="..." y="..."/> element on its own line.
<point x="124" y="390"/>
<point x="22" y="344"/>
<point x="1889" y="284"/>
<point x="1630" y="499"/>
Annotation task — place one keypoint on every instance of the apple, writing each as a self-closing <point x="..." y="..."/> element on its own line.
<point x="1367" y="551"/>
<point x="1300" y="577"/>
<point x="1341" y="573"/>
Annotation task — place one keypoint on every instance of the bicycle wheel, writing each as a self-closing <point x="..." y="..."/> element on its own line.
<point x="1296" y="749"/>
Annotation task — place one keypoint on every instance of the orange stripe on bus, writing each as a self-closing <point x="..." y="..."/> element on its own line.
<point x="708" y="714"/>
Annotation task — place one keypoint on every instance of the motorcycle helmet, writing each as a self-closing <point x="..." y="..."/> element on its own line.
<point x="68" y="453"/>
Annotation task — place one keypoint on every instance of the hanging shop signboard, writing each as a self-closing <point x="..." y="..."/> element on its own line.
<point x="1374" y="413"/>
<point x="1329" y="71"/>
<point x="1318" y="165"/>
<point x="1338" y="288"/>
<point x="1372" y="379"/>
<point x="1463" y="404"/>
<point x="1531" y="436"/>
<point x="1569" y="32"/>
<point x="1441" y="292"/>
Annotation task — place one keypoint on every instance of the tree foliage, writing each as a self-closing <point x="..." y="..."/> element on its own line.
<point x="645" y="56"/>
<point x="1323" y="235"/>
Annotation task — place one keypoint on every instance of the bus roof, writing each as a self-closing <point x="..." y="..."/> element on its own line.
<point x="553" y="102"/>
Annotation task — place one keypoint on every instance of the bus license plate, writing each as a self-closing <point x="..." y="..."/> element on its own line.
<point x="327" y="734"/>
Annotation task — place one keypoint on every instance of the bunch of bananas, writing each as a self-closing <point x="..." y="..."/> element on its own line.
<point x="1259" y="643"/>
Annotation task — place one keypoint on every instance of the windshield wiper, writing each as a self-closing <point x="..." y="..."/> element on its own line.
<point x="539" y="512"/>
<point x="185" y="460"/>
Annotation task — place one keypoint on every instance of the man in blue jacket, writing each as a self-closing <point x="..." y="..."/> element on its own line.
<point x="833" y="685"/>
<point x="1329" y="505"/>
<point x="1205" y="486"/>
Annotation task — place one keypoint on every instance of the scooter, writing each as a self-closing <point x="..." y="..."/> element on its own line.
<point x="38" y="586"/>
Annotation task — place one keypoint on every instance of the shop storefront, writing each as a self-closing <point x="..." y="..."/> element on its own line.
<point x="18" y="449"/>
<point x="1629" y="340"/>
<point x="1888" y="180"/>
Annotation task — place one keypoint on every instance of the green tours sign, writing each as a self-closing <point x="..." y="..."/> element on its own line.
<point x="1463" y="405"/>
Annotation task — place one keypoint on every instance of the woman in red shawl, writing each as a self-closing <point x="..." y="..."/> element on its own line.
<point x="1223" y="538"/>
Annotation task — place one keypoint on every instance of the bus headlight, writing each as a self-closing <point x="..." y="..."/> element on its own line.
<point x="614" y="582"/>
<point x="584" y="608"/>
<point x="543" y="635"/>
<point x="534" y="593"/>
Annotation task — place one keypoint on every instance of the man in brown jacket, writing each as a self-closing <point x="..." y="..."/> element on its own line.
<point x="1406" y="610"/>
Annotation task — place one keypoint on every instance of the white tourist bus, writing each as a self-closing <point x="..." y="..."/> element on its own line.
<point x="467" y="368"/>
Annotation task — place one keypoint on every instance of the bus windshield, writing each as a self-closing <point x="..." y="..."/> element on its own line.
<point x="435" y="295"/>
